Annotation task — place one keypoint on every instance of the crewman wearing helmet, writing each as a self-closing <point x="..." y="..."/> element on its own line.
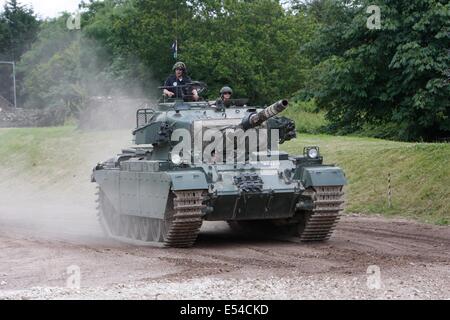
<point x="179" y="78"/>
<point x="224" y="101"/>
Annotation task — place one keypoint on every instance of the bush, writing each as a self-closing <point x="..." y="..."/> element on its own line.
<point x="308" y="119"/>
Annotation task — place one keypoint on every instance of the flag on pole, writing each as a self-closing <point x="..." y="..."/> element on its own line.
<point x="175" y="49"/>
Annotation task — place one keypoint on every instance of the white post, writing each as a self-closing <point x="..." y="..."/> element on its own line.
<point x="389" y="191"/>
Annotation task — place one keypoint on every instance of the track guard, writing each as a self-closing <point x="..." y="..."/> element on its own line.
<point x="188" y="180"/>
<point x="322" y="176"/>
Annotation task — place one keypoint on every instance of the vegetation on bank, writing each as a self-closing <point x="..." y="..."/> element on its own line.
<point x="420" y="172"/>
<point x="308" y="118"/>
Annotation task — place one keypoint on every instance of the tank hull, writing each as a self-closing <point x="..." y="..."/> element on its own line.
<point x="145" y="196"/>
<point x="193" y="162"/>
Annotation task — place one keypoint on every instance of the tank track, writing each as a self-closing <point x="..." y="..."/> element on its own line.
<point x="180" y="228"/>
<point x="319" y="223"/>
<point x="186" y="220"/>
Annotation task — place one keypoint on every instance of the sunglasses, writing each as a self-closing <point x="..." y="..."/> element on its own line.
<point x="227" y="93"/>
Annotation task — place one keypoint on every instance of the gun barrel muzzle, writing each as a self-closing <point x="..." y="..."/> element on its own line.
<point x="256" y="119"/>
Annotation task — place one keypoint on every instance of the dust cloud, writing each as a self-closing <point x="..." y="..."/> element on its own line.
<point x="113" y="96"/>
<point x="57" y="200"/>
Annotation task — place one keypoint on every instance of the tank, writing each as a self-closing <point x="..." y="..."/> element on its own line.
<point x="195" y="161"/>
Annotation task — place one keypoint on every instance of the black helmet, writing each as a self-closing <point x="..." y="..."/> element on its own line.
<point x="225" y="90"/>
<point x="179" y="64"/>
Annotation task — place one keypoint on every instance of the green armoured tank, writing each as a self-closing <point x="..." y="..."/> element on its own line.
<point x="194" y="161"/>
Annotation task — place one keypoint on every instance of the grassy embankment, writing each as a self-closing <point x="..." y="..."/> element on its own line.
<point x="420" y="172"/>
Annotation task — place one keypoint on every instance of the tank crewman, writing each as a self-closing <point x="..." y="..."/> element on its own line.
<point x="224" y="101"/>
<point x="179" y="78"/>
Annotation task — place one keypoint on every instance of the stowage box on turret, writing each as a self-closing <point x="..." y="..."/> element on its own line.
<point x="194" y="161"/>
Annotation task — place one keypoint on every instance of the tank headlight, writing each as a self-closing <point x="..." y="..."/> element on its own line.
<point x="311" y="152"/>
<point x="175" y="158"/>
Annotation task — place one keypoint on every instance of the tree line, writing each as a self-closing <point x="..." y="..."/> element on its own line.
<point x="391" y="81"/>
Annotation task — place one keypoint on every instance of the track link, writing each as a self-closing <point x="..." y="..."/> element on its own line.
<point x="186" y="220"/>
<point x="320" y="222"/>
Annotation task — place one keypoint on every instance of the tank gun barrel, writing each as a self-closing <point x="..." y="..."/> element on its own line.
<point x="257" y="118"/>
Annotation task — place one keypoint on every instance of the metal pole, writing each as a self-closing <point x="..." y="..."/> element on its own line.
<point x="14" y="79"/>
<point x="13" y="62"/>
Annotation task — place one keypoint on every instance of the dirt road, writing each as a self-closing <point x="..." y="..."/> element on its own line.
<point x="48" y="227"/>
<point x="413" y="261"/>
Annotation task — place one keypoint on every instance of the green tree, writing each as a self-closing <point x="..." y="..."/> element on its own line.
<point x="252" y="46"/>
<point x="51" y="67"/>
<point x="18" y="28"/>
<point x="395" y="77"/>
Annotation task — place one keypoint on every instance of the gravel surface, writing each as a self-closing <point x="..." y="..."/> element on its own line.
<point x="367" y="258"/>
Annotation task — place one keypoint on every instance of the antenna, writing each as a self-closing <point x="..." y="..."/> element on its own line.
<point x="176" y="32"/>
